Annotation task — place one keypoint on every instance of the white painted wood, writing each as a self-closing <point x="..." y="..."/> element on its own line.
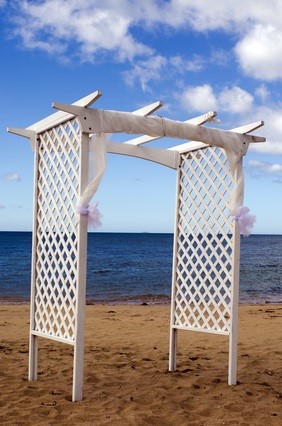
<point x="173" y="330"/>
<point x="54" y="338"/>
<point x="149" y="109"/>
<point x="205" y="282"/>
<point x="59" y="117"/>
<point x="247" y="128"/>
<point x="184" y="328"/>
<point x="233" y="337"/>
<point x="140" y="140"/>
<point x="188" y="146"/>
<point x="30" y="134"/>
<point x="55" y="238"/>
<point x="204" y="118"/>
<point x="161" y="156"/>
<point x="194" y="145"/>
<point x="78" y="361"/>
<point x="203" y="276"/>
<point x="203" y="288"/>
<point x="105" y="121"/>
<point x="33" y="340"/>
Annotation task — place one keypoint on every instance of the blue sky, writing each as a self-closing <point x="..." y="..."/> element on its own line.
<point x="193" y="56"/>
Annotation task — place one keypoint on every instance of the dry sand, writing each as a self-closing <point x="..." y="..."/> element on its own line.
<point x="126" y="381"/>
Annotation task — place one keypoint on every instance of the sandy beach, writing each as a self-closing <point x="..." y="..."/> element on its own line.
<point x="126" y="378"/>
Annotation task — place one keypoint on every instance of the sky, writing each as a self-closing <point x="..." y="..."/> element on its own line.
<point x="195" y="56"/>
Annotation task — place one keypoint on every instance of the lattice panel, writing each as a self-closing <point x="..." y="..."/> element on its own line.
<point x="203" y="271"/>
<point x="57" y="231"/>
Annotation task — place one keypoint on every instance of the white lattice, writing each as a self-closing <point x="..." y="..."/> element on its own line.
<point x="57" y="231"/>
<point x="203" y="268"/>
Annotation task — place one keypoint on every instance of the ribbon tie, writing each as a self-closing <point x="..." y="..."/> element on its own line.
<point x="94" y="215"/>
<point x="245" y="220"/>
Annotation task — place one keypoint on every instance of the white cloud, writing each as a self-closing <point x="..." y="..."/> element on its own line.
<point x="221" y="57"/>
<point x="11" y="177"/>
<point x="260" y="53"/>
<point x="262" y="92"/>
<point x="235" y="100"/>
<point x="146" y="70"/>
<point x="271" y="168"/>
<point x="54" y="25"/>
<point x="95" y="30"/>
<point x="272" y="130"/>
<point x="108" y="26"/>
<point x="202" y="98"/>
<point x="159" y="67"/>
<point x="199" y="98"/>
<point x="182" y="65"/>
<point x="262" y="169"/>
<point x="222" y="14"/>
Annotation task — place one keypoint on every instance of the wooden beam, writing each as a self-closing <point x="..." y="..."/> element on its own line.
<point x="149" y="109"/>
<point x="60" y="116"/>
<point x="201" y="119"/>
<point x="157" y="155"/>
<point x="96" y="121"/>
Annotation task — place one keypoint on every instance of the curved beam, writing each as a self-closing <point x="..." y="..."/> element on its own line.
<point x="161" y="156"/>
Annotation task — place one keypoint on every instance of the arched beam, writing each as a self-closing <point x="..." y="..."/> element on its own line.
<point x="157" y="155"/>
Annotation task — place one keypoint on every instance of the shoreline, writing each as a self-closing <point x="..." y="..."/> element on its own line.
<point x="136" y="301"/>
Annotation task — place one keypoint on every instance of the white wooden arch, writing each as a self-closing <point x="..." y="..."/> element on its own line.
<point x="205" y="276"/>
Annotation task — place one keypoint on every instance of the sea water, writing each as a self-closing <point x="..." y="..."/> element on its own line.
<point x="136" y="268"/>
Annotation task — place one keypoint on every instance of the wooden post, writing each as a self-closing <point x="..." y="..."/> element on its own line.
<point x="233" y="337"/>
<point x="81" y="279"/>
<point x="173" y="331"/>
<point x="33" y="340"/>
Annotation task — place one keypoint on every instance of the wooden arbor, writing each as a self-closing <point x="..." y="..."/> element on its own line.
<point x="205" y="277"/>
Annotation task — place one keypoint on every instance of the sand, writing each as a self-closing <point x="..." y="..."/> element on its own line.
<point x="126" y="378"/>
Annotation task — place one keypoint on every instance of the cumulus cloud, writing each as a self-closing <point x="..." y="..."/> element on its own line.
<point x="272" y="130"/>
<point x="202" y="98"/>
<point x="199" y="98"/>
<point x="235" y="100"/>
<point x="145" y="71"/>
<point x="11" y="177"/>
<point x="109" y="27"/>
<point x="260" y="53"/>
<point x="196" y="64"/>
<point x="262" y="92"/>
<point x="261" y="168"/>
<point x="160" y="67"/>
<point x="55" y="25"/>
<point x="272" y="168"/>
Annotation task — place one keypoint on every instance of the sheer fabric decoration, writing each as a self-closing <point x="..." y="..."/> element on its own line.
<point x="70" y="150"/>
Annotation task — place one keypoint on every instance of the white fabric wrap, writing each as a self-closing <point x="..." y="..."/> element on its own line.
<point x="97" y="166"/>
<point x="122" y="122"/>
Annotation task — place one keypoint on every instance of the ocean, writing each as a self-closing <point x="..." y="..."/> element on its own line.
<point x="136" y="268"/>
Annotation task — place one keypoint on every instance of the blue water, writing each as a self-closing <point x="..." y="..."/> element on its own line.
<point x="135" y="268"/>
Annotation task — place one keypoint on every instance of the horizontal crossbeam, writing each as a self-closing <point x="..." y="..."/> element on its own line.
<point x="202" y="119"/>
<point x="157" y="155"/>
<point x="194" y="145"/>
<point x="105" y="121"/>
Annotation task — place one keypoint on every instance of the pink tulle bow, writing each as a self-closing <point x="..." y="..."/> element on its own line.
<point x="93" y="214"/>
<point x="245" y="220"/>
